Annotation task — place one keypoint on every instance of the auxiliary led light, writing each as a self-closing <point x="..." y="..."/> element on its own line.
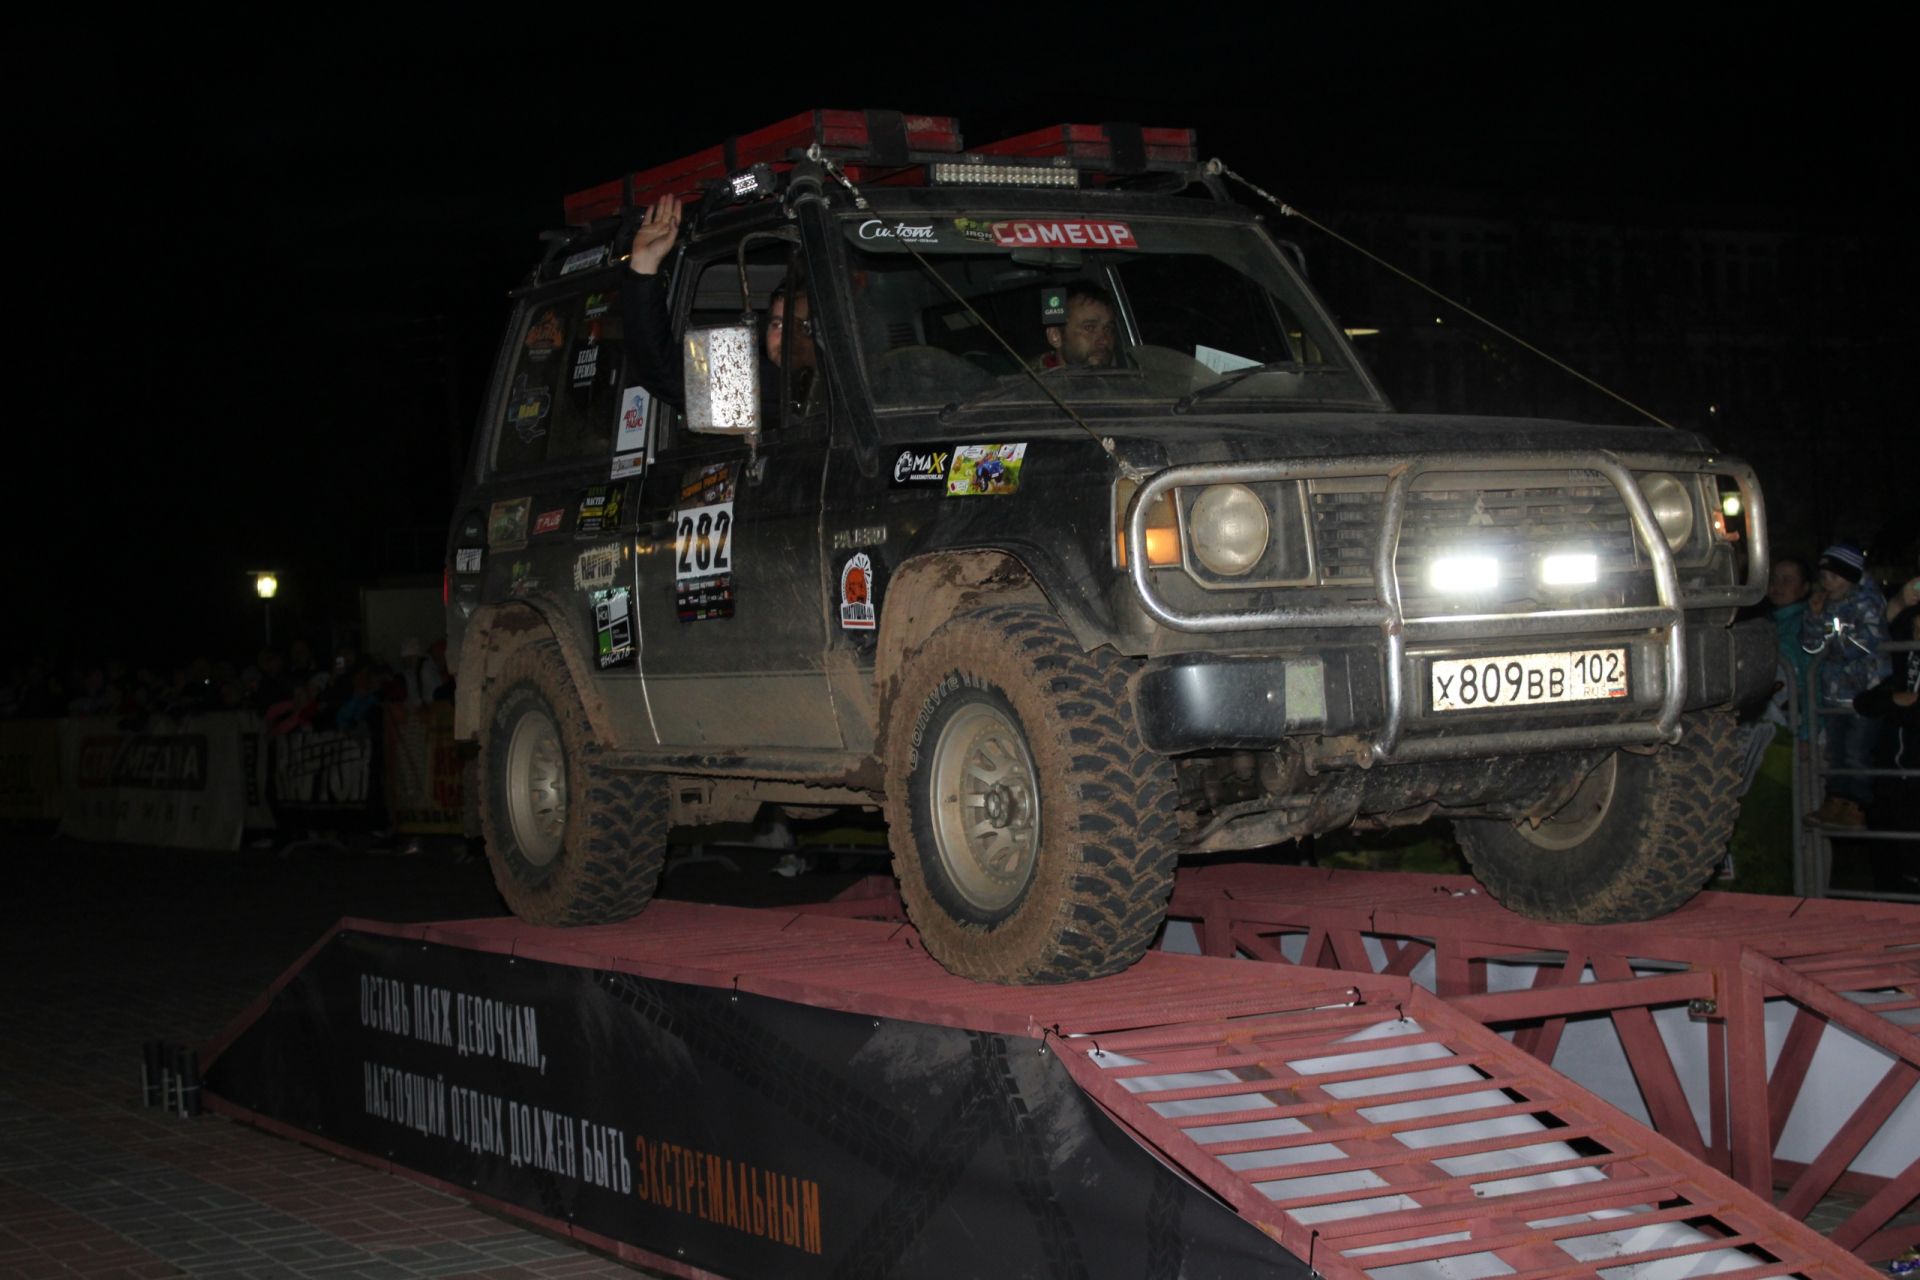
<point x="1463" y="574"/>
<point x="1572" y="570"/>
<point x="1730" y="505"/>
<point x="974" y="173"/>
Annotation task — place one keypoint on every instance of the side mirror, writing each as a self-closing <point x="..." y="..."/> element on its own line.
<point x="723" y="380"/>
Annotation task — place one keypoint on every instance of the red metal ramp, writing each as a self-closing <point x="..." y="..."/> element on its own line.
<point x="1360" y="1121"/>
<point x="1849" y="973"/>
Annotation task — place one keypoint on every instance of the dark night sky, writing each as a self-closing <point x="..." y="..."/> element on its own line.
<point x="255" y="251"/>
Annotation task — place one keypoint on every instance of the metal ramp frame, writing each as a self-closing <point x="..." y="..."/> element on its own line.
<point x="1854" y="966"/>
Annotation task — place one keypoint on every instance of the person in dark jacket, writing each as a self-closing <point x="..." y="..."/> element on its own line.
<point x="1846" y="618"/>
<point x="1895" y="704"/>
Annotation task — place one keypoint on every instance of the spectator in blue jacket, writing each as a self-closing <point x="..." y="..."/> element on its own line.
<point x="1846" y="622"/>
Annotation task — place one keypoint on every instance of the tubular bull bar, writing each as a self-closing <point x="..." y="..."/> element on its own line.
<point x="1387" y="613"/>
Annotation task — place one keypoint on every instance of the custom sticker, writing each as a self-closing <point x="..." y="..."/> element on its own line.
<point x="599" y="509"/>
<point x="549" y="521"/>
<point x="704" y="486"/>
<point x="546" y="334"/>
<point x="597" y="569"/>
<point x="985" y="469"/>
<point x="865" y="536"/>
<point x="912" y="233"/>
<point x="522" y="580"/>
<point x="856" y="593"/>
<point x="466" y="560"/>
<point x="597" y="304"/>
<point x="921" y="466"/>
<point x="612" y="627"/>
<point x="1026" y="233"/>
<point x="527" y="410"/>
<point x="583" y="260"/>
<point x="703" y="562"/>
<point x="507" y="524"/>
<point x="628" y="464"/>
<point x="586" y="361"/>
<point x="632" y="434"/>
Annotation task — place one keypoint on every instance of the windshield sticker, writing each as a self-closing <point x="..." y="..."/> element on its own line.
<point x="911" y="232"/>
<point x="507" y="524"/>
<point x="599" y="509"/>
<point x="584" y="259"/>
<point x="549" y="521"/>
<point x="1221" y="361"/>
<point x="466" y="560"/>
<point x="627" y="465"/>
<point x="985" y="469"/>
<point x="545" y="335"/>
<point x="633" y="420"/>
<point x="613" y="628"/>
<point x="597" y="304"/>
<point x="527" y="410"/>
<point x="704" y="486"/>
<point x="921" y="466"/>
<point x="856" y="593"/>
<point x="596" y="570"/>
<point x="1029" y="233"/>
<point x="586" y="361"/>
<point x="974" y="229"/>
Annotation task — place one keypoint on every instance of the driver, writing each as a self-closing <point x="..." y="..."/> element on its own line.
<point x="1085" y="339"/>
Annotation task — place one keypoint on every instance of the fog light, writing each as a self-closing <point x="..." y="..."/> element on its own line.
<point x="1730" y="505"/>
<point x="1570" y="570"/>
<point x="1463" y="574"/>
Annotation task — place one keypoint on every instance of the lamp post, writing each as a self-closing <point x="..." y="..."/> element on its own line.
<point x="266" y="585"/>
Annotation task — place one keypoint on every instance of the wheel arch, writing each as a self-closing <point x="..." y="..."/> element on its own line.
<point x="494" y="633"/>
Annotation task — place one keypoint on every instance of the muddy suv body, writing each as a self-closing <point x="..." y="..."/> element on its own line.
<point x="1065" y="624"/>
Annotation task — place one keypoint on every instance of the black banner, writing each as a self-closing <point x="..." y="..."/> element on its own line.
<point x="745" y="1135"/>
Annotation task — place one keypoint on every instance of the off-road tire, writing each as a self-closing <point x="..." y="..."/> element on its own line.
<point x="1662" y="831"/>
<point x="1101" y="869"/>
<point x="613" y="839"/>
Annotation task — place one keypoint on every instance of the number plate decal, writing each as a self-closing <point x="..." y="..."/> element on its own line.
<point x="703" y="541"/>
<point x="1528" y="679"/>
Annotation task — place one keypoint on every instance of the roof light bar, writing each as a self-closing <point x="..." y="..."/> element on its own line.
<point x="980" y="173"/>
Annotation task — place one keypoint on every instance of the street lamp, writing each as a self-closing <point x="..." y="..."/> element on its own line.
<point x="266" y="585"/>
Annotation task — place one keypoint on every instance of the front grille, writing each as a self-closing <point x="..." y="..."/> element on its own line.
<point x="1514" y="523"/>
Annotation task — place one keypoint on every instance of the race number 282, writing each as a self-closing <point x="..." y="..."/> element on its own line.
<point x="703" y="541"/>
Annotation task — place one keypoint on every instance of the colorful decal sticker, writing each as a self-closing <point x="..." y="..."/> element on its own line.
<point x="613" y="627"/>
<point x="704" y="486"/>
<point x="583" y="260"/>
<point x="597" y="304"/>
<point x="549" y="521"/>
<point x="586" y="361"/>
<point x="527" y="410"/>
<point x="985" y="469"/>
<point x="628" y="464"/>
<point x="856" y="593"/>
<point x="466" y="560"/>
<point x="546" y="334"/>
<point x="871" y="535"/>
<point x="599" y="509"/>
<point x="507" y="523"/>
<point x="522" y="580"/>
<point x="974" y="229"/>
<point x="632" y="434"/>
<point x="1027" y="233"/>
<point x="912" y="233"/>
<point x="1053" y="305"/>
<point x="596" y="570"/>
<point x="921" y="466"/>
<point x="703" y="562"/>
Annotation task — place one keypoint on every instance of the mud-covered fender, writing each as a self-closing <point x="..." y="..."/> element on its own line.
<point x="495" y="631"/>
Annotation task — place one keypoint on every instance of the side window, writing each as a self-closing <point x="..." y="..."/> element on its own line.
<point x="563" y="395"/>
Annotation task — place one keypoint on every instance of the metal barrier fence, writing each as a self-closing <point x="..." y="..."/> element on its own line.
<point x="1813" y="841"/>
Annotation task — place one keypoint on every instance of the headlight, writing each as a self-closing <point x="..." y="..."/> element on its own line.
<point x="1227" y="528"/>
<point x="1672" y="507"/>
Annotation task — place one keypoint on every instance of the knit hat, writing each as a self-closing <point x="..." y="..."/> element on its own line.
<point x="1844" y="559"/>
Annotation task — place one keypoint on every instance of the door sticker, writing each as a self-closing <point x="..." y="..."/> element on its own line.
<point x="986" y="469"/>
<point x="507" y="524"/>
<point x="596" y="570"/>
<point x="703" y="562"/>
<point x="466" y="560"/>
<point x="599" y="509"/>
<point x="922" y="466"/>
<point x="856" y="593"/>
<point x="633" y="420"/>
<point x="549" y="521"/>
<point x="613" y="627"/>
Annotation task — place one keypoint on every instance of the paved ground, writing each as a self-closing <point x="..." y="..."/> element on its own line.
<point x="107" y="947"/>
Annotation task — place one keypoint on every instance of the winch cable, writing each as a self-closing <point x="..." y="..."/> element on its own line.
<point x="1127" y="469"/>
<point x="1218" y="167"/>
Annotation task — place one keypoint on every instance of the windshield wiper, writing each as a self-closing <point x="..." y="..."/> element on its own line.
<point x="1239" y="376"/>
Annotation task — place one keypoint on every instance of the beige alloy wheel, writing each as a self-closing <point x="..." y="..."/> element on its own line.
<point x="537" y="787"/>
<point x="985" y="804"/>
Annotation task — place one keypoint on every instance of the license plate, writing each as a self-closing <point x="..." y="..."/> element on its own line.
<point x="1529" y="679"/>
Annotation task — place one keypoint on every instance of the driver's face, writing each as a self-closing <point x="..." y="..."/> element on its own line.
<point x="803" y="357"/>
<point x="1086" y="339"/>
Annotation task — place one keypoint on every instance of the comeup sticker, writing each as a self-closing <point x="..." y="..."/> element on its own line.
<point x="990" y="469"/>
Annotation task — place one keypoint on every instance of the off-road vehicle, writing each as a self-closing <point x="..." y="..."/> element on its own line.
<point x="1065" y="613"/>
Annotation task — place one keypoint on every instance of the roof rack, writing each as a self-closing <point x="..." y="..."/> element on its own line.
<point x="1116" y="149"/>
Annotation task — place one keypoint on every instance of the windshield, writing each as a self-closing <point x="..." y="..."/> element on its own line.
<point x="1103" y="309"/>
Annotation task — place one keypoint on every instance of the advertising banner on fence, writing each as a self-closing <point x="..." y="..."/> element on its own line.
<point x="324" y="779"/>
<point x="194" y="782"/>
<point x="30" y="770"/>
<point x="732" y="1132"/>
<point x="423" y="769"/>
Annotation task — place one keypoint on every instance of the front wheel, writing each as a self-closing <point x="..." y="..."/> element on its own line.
<point x="570" y="841"/>
<point x="1636" y="840"/>
<point x="1033" y="834"/>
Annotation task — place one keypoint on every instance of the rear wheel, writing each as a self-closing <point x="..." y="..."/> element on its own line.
<point x="1033" y="835"/>
<point x="570" y="841"/>
<point x="1636" y="840"/>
